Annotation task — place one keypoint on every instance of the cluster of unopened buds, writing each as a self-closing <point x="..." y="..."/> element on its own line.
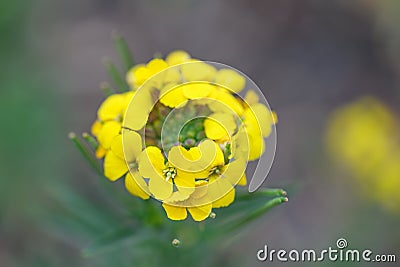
<point x="183" y="133"/>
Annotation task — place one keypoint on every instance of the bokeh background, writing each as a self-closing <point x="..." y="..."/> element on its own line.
<point x="309" y="57"/>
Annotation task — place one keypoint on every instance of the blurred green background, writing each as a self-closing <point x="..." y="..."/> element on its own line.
<point x="309" y="57"/>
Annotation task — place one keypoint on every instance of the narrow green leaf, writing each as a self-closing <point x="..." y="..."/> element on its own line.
<point x="115" y="239"/>
<point x="268" y="192"/>
<point x="115" y="75"/>
<point x="257" y="213"/>
<point x="88" y="155"/>
<point x="91" y="141"/>
<point x="123" y="51"/>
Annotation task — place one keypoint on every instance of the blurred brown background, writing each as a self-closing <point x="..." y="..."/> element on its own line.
<point x="309" y="57"/>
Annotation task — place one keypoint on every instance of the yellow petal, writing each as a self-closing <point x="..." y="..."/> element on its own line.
<point x="156" y="65"/>
<point x="226" y="200"/>
<point x="171" y="75"/>
<point x="251" y="97"/>
<point x="234" y="171"/>
<point x="138" y="110"/>
<point x="226" y="103"/>
<point x="219" y="126"/>
<point x="274" y="117"/>
<point x="185" y="182"/>
<point x="256" y="146"/>
<point x="111" y="108"/>
<point x="132" y="145"/>
<point x="175" y="213"/>
<point x="116" y="146"/>
<point x="100" y="152"/>
<point x="205" y="156"/>
<point x="180" y="158"/>
<point x="156" y="68"/>
<point x="108" y="132"/>
<point x="220" y="192"/>
<point x="230" y="79"/>
<point x="151" y="162"/>
<point x="159" y="187"/>
<point x="243" y="180"/>
<point x="139" y="75"/>
<point x="198" y="71"/>
<point x="177" y="57"/>
<point x="114" y="166"/>
<point x="136" y="185"/>
<point x="96" y="127"/>
<point x="172" y="97"/>
<point x="176" y="197"/>
<point x="130" y="75"/>
<point x="200" y="213"/>
<point x="197" y="90"/>
<point x="258" y="116"/>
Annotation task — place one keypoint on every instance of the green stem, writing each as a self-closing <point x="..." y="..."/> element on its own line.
<point x="88" y="155"/>
<point x="91" y="141"/>
<point x="119" y="81"/>
<point x="258" y="212"/>
<point x="123" y="51"/>
<point x="269" y="192"/>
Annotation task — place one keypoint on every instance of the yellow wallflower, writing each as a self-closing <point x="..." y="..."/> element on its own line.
<point x="137" y="75"/>
<point x="163" y="175"/>
<point x="196" y="168"/>
<point x="364" y="137"/>
<point x="109" y="120"/>
<point x="258" y="121"/>
<point x="230" y="79"/>
<point x="122" y="159"/>
<point x="177" y="209"/>
<point x="177" y="57"/>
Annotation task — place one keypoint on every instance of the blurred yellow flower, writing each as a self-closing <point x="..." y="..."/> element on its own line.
<point x="364" y="136"/>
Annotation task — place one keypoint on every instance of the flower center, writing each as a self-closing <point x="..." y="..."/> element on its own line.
<point x="169" y="172"/>
<point x="215" y="170"/>
<point x="133" y="165"/>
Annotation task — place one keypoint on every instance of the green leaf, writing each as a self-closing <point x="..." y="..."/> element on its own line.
<point x="116" y="76"/>
<point x="123" y="51"/>
<point x="91" y="141"/>
<point x="87" y="154"/>
<point x="257" y="212"/>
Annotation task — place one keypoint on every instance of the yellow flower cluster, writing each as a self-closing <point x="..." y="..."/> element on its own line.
<point x="182" y="135"/>
<point x="365" y="136"/>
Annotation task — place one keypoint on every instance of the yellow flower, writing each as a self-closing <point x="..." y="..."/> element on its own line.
<point x="163" y="175"/>
<point x="139" y="74"/>
<point x="109" y="118"/>
<point x="121" y="159"/>
<point x="177" y="57"/>
<point x="258" y="121"/>
<point x="363" y="136"/>
<point x="177" y="209"/>
<point x="222" y="176"/>
<point x="220" y="126"/>
<point x="230" y="79"/>
<point x="198" y="71"/>
<point x="176" y="95"/>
